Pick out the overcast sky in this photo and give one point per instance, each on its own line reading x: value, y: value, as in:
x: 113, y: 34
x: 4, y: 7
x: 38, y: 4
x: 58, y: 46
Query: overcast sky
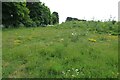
x: 84, y: 9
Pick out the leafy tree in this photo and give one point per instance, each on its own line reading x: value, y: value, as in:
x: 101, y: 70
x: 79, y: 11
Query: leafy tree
x: 39, y: 13
x: 14, y: 13
x: 28, y: 14
x: 55, y: 18
x: 46, y: 15
x: 74, y: 19
x: 35, y: 12
x: 71, y: 19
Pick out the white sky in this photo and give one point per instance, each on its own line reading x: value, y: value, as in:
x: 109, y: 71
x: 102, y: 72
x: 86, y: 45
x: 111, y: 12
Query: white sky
x: 84, y: 9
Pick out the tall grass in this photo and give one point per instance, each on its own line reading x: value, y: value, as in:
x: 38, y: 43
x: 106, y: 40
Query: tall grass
x: 70, y: 50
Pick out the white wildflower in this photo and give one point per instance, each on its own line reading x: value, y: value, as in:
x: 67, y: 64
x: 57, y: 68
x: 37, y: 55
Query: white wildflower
x: 73, y: 75
x: 68, y: 70
x: 62, y: 39
x: 63, y: 72
x: 76, y: 70
x: 72, y: 34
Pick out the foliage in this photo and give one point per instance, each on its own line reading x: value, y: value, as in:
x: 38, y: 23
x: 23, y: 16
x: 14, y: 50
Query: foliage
x: 73, y: 19
x: 14, y: 13
x: 55, y: 18
x: 28, y: 14
x: 39, y: 13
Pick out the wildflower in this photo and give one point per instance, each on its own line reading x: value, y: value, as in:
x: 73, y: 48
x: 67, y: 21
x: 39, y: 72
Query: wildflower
x: 73, y: 75
x: 63, y: 72
x: 73, y: 34
x: 17, y: 42
x: 68, y: 70
x: 62, y: 39
x: 76, y: 70
x: 92, y: 40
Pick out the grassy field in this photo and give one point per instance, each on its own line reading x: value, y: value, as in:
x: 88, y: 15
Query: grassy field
x: 60, y: 51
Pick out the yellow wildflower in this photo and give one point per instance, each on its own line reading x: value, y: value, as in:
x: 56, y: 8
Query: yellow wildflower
x: 92, y: 40
x: 17, y: 42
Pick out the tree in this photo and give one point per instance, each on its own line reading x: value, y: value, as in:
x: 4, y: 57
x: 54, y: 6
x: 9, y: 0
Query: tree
x: 35, y: 12
x: 55, y: 18
x: 69, y: 19
x: 39, y: 13
x: 27, y: 13
x: 14, y: 13
x: 46, y: 15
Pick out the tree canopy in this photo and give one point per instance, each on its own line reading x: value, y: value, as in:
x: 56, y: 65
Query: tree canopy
x: 74, y: 19
x: 14, y: 14
x: 55, y: 18
x: 27, y: 13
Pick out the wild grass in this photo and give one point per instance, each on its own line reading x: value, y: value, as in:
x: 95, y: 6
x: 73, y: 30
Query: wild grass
x: 68, y: 50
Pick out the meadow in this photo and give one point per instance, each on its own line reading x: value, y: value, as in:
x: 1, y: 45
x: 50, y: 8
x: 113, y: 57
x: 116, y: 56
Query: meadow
x: 72, y: 49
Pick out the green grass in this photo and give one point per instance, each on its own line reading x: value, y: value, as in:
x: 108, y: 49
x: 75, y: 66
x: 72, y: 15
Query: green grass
x: 60, y: 51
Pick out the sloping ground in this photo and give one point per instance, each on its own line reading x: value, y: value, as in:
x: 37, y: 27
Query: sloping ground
x: 59, y: 52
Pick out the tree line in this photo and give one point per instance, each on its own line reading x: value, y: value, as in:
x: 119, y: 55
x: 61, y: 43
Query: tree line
x: 74, y: 19
x: 29, y: 14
